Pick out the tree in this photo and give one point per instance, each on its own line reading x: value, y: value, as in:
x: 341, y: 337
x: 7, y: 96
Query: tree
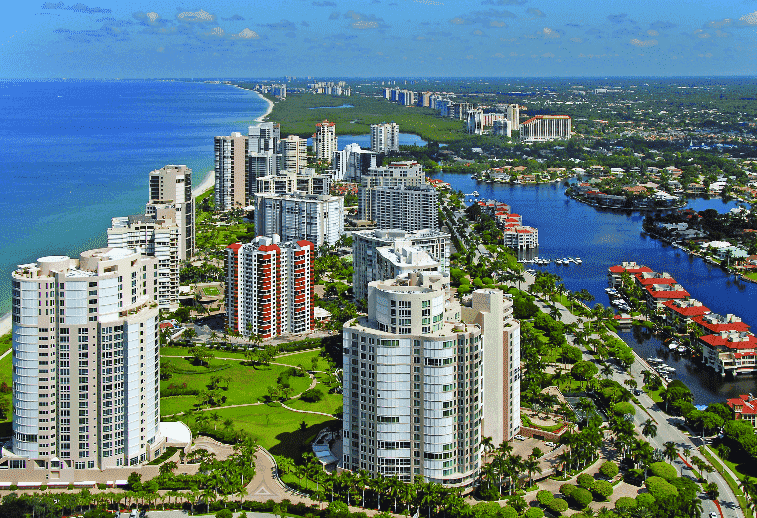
x: 609, y: 469
x: 670, y: 451
x: 581, y: 497
x: 649, y: 428
x: 603, y: 489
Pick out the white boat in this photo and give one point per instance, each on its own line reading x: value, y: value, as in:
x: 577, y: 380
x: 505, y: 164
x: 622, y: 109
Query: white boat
x: 578, y: 260
x: 673, y: 345
x: 681, y: 349
x: 558, y: 261
x: 475, y: 193
x: 654, y: 360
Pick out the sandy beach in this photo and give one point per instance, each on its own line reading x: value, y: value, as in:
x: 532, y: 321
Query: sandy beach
x: 268, y: 111
x: 209, y: 181
x: 6, y: 324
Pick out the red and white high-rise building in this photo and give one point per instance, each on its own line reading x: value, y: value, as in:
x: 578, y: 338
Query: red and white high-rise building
x: 269, y: 287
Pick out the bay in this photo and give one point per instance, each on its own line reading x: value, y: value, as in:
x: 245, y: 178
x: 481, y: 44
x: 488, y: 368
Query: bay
x: 602, y: 238
x: 77, y: 153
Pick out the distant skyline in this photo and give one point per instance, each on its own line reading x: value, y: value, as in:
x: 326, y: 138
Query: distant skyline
x: 378, y: 38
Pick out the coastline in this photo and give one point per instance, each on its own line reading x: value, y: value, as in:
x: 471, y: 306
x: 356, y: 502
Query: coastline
x: 268, y: 110
x: 206, y: 184
x: 6, y: 324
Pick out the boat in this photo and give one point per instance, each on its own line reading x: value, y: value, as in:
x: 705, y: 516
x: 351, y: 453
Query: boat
x: 578, y: 260
x: 673, y: 345
x: 475, y: 193
x: 654, y: 360
x: 681, y: 349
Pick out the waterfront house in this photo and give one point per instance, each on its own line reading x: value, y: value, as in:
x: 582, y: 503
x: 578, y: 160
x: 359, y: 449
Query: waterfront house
x: 645, y: 279
x: 657, y: 294
x: 680, y: 314
x: 615, y: 273
x: 729, y: 352
x: 713, y: 323
x: 744, y: 407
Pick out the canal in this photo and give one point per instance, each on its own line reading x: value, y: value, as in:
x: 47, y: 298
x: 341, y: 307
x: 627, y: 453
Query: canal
x: 602, y: 238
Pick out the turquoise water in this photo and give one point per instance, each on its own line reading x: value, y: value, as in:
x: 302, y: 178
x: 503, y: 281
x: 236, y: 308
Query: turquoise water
x: 74, y: 154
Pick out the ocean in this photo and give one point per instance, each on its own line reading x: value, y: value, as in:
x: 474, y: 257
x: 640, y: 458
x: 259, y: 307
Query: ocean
x: 75, y: 154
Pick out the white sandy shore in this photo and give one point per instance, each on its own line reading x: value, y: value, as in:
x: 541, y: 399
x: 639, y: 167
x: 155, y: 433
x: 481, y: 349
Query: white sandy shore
x: 210, y: 180
x: 6, y: 324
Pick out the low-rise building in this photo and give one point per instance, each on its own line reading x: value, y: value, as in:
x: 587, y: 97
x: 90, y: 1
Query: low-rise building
x: 615, y: 273
x: 730, y: 352
x: 744, y: 407
x: 657, y: 294
x: 680, y: 314
x: 714, y: 323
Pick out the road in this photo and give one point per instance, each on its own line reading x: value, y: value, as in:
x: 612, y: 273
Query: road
x: 666, y: 425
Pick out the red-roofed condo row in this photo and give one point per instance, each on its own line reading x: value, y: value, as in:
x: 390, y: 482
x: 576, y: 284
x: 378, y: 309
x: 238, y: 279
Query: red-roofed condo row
x: 615, y: 273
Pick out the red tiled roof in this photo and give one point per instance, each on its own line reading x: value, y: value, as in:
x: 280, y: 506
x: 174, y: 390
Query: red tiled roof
x: 667, y: 294
x: 717, y: 340
x: 620, y: 269
x: 716, y: 328
x: 690, y: 311
x: 235, y: 246
x: 747, y: 406
x: 651, y: 281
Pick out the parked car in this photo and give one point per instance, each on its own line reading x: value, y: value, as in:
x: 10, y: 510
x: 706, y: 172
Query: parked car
x: 550, y: 444
x: 520, y: 438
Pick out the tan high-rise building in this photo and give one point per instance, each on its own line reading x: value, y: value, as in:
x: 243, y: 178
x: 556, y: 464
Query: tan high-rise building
x: 231, y: 172
x: 325, y: 141
x: 294, y: 154
x: 385, y: 137
x: 171, y: 199
x: 86, y: 361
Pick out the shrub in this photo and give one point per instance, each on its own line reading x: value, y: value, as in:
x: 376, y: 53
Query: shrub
x: 567, y: 489
x: 544, y: 497
x: 624, y: 408
x: 312, y: 395
x: 645, y: 500
x: 534, y: 512
x: 663, y: 470
x: 585, y: 481
x: 14, y: 487
x: 603, y: 489
x: 609, y: 469
x: 507, y: 512
x: 558, y: 506
x: 581, y: 497
x: 625, y: 503
x: 660, y: 488
x: 224, y: 513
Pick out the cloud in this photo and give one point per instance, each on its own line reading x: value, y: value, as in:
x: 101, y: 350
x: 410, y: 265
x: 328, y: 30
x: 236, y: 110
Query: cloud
x: 458, y: 20
x: 497, y: 23
x: 324, y: 4
x: 577, y: 40
x: 478, y: 32
x: 200, y: 16
x: 235, y: 18
x: 548, y: 33
x: 146, y: 17
x: 617, y: 18
x: 749, y: 19
x: 504, y: 2
x: 365, y: 21
x: 652, y: 32
x: 661, y: 25
x: 643, y: 43
x: 536, y: 13
x: 78, y: 8
x: 283, y: 25
x: 216, y: 31
x: 247, y: 34
x: 305, y: 24
x: 334, y: 16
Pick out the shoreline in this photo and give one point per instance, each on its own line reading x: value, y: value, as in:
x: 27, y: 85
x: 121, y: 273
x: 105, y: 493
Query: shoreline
x: 206, y: 184
x: 268, y: 110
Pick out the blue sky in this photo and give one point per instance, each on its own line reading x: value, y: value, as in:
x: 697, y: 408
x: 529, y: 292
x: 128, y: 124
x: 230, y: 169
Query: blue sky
x: 378, y: 38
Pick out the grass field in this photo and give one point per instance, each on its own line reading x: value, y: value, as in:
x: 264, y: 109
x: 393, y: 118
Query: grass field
x: 247, y: 384
x: 168, y: 350
x: 305, y: 359
x: 330, y: 404
x: 278, y: 430
x: 211, y: 291
x: 296, y: 118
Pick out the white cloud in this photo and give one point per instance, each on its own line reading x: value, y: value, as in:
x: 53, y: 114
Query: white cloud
x: 643, y: 43
x: 550, y: 33
x: 198, y: 16
x: 749, y: 19
x: 652, y: 32
x: 247, y: 34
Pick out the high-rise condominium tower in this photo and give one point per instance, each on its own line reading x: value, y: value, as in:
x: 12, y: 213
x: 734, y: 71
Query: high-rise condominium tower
x: 385, y: 137
x: 231, y: 171
x: 294, y: 154
x: 269, y: 287
x: 325, y: 142
x: 171, y: 197
x: 418, y: 374
x: 86, y: 360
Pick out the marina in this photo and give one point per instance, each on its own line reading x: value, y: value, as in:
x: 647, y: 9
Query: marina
x: 601, y: 238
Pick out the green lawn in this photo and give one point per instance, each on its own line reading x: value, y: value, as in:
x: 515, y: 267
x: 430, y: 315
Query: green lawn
x: 168, y: 350
x: 211, y: 291
x: 6, y: 376
x: 247, y: 384
x: 305, y: 359
x: 277, y: 429
x: 751, y: 275
x: 330, y: 404
x: 176, y: 404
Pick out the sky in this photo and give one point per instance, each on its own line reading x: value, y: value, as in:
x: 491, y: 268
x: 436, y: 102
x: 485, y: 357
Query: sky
x: 378, y: 38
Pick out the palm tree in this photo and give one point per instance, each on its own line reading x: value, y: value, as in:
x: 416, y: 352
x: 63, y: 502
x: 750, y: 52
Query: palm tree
x: 670, y: 451
x: 749, y: 487
x: 649, y: 428
x: 532, y: 466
